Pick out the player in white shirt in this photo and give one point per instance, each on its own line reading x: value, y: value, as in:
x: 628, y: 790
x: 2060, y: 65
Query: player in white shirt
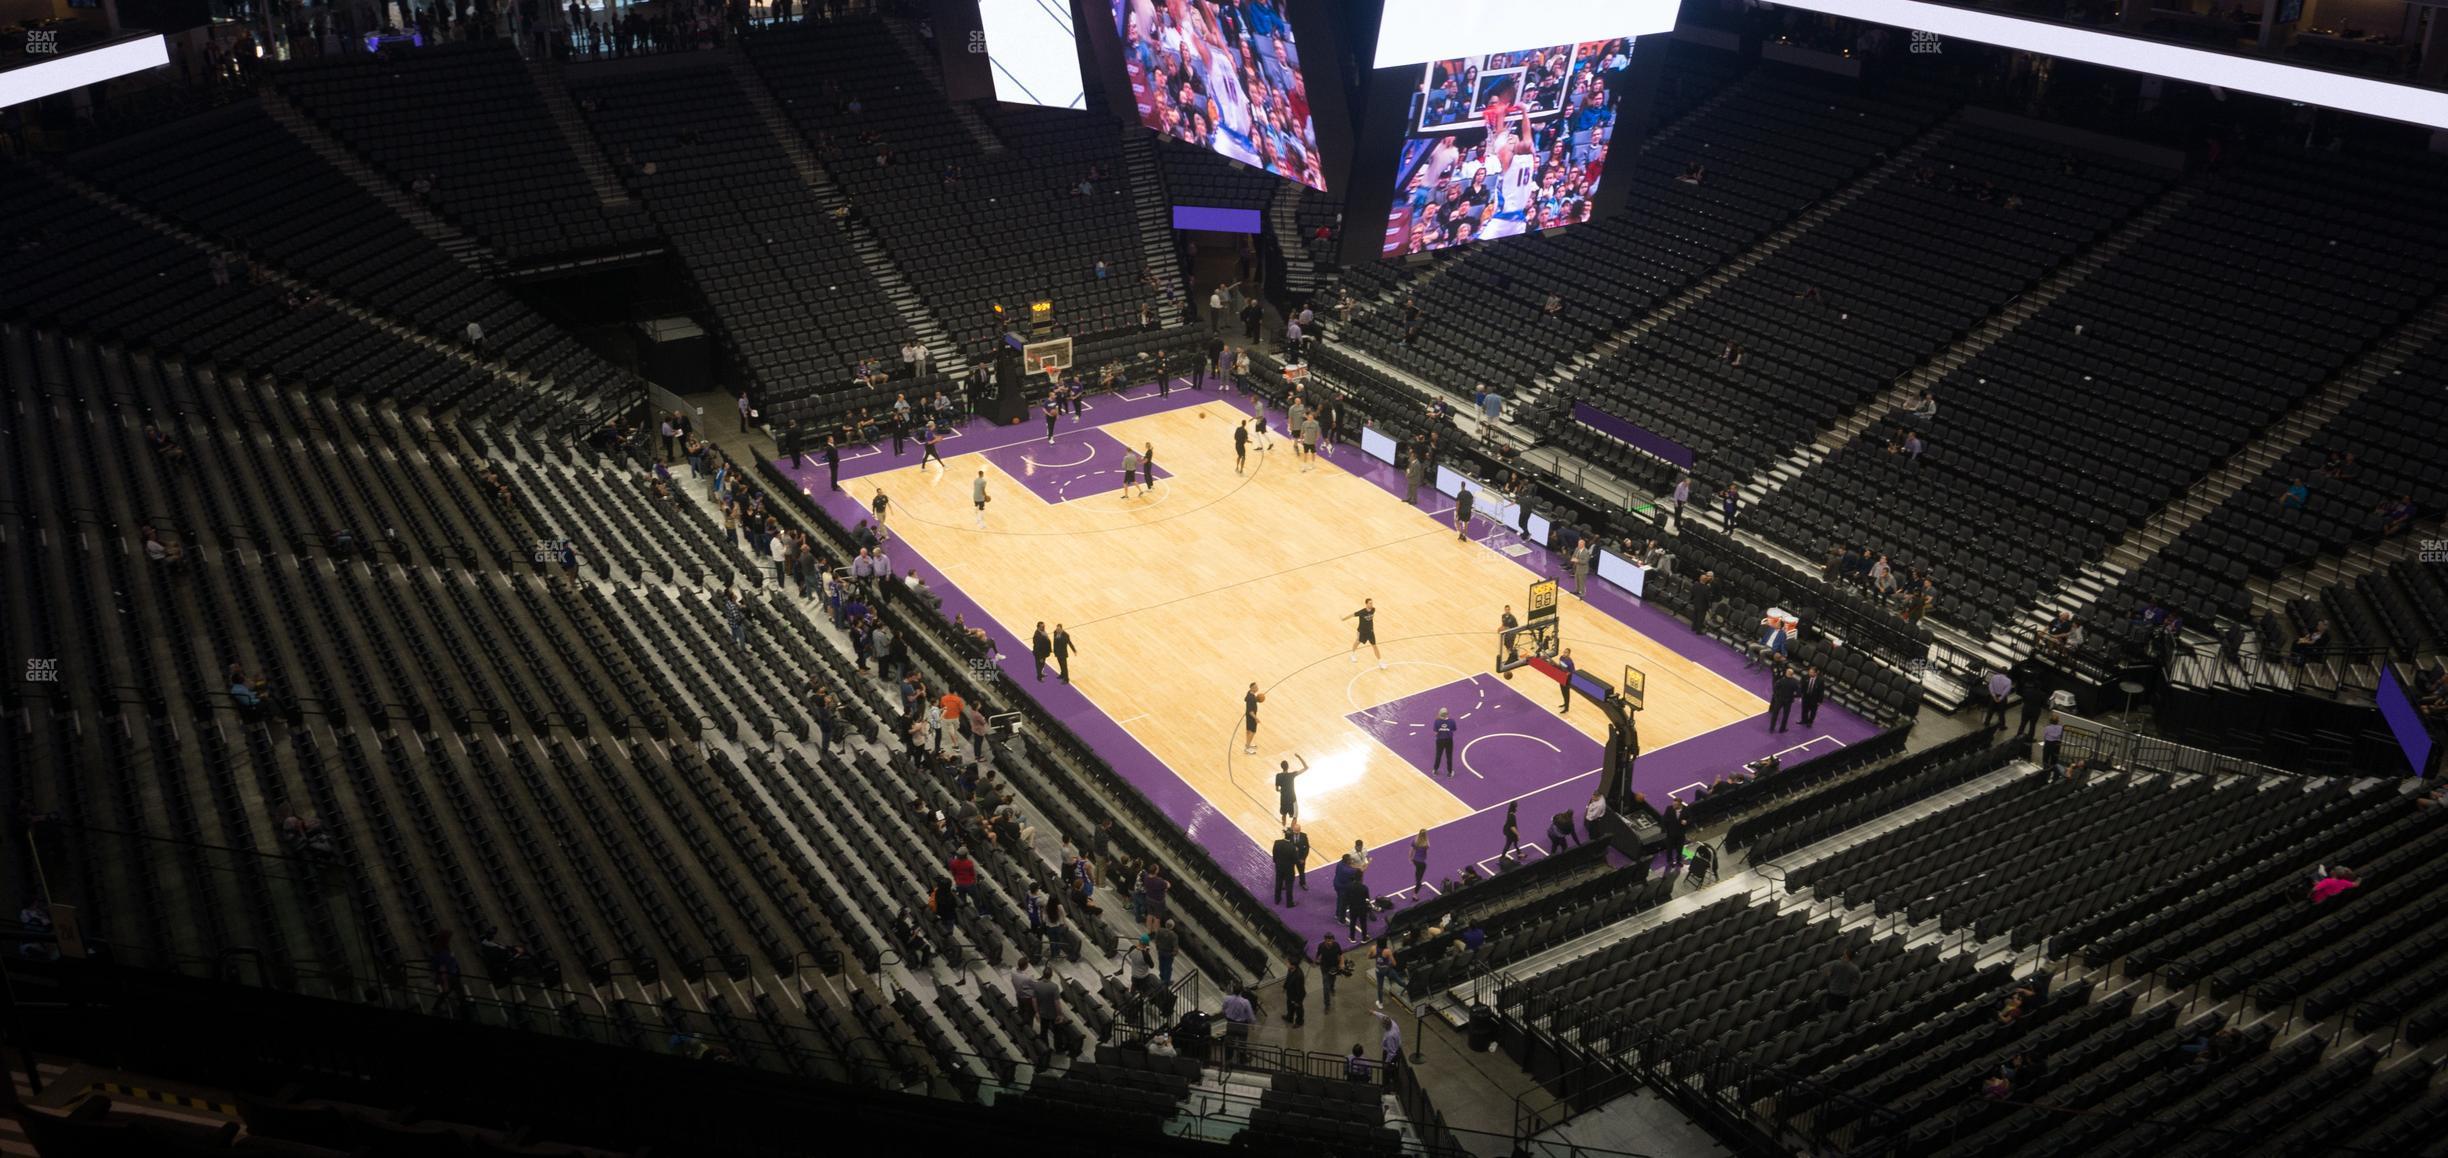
x: 1514, y: 160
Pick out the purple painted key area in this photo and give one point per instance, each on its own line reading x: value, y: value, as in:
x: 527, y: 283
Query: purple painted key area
x: 1078, y: 464
x: 1505, y: 746
x: 1513, y: 769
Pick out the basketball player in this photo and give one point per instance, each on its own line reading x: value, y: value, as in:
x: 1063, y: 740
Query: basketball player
x: 1309, y: 442
x: 978, y: 498
x: 1147, y: 465
x: 1130, y: 471
x: 1287, y: 804
x: 930, y: 445
x: 1240, y: 446
x: 1053, y: 414
x: 1264, y: 442
x: 1249, y: 718
x: 1367, y: 615
x: 879, y: 506
x: 1513, y: 157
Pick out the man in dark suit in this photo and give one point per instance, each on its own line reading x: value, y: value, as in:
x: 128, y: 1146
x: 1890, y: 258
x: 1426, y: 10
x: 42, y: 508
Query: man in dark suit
x: 1781, y: 699
x: 1814, y: 689
x: 1041, y: 648
x: 1287, y: 862
x: 2035, y: 704
x: 833, y: 461
x: 1704, y: 593
x: 1062, y: 653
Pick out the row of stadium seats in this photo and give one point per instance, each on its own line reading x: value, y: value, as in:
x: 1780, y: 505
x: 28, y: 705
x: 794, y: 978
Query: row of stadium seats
x: 467, y: 119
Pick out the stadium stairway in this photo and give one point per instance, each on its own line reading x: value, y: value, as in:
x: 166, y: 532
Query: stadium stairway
x: 1908, y: 388
x: 1766, y: 248
x: 1151, y: 208
x: 1964, y: 653
x: 829, y: 196
x: 905, y: 33
x: 550, y: 86
x: 1300, y: 278
x: 462, y: 248
x: 2307, y: 580
x: 2081, y: 593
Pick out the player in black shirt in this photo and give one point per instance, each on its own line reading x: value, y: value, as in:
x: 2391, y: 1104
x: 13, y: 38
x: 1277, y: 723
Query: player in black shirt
x: 1286, y: 802
x: 1367, y: 615
x: 1249, y: 718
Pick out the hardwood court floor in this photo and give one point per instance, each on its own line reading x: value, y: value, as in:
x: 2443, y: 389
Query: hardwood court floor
x: 1177, y: 602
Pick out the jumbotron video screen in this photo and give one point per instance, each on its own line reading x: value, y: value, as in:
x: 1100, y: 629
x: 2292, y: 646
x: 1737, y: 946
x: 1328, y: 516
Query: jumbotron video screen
x: 1223, y: 75
x: 1502, y: 144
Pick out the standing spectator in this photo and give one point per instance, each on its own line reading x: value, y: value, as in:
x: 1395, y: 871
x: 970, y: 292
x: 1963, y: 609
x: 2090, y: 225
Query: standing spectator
x: 1284, y: 861
x: 1388, y: 969
x: 2052, y: 738
x: 745, y: 411
x: 1814, y: 690
x: 1783, y: 690
x: 1330, y: 967
x: 1419, y: 864
x: 1512, y: 828
x: 1024, y: 988
x: 2000, y: 687
x: 1050, y: 1006
x: 1167, y: 942
x: 735, y: 615
x: 1560, y: 833
x: 1390, y: 1043
x: 1582, y: 556
x: 1296, y: 990
x: 475, y: 336
x: 1842, y: 979
x: 964, y: 875
x: 446, y: 963
x: 2035, y: 704
x: 1239, y: 1014
x: 1729, y: 505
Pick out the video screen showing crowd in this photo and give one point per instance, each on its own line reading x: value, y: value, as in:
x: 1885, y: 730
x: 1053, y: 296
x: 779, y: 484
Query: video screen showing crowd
x: 1498, y: 145
x: 1223, y: 75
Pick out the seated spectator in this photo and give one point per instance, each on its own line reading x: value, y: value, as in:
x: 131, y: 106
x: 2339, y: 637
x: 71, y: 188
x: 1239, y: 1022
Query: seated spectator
x: 2295, y: 496
x: 1693, y: 173
x: 163, y: 445
x: 2397, y: 516
x: 2328, y: 883
x: 2310, y: 644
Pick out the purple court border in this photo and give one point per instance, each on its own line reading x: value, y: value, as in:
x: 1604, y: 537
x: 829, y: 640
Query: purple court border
x: 1476, y: 839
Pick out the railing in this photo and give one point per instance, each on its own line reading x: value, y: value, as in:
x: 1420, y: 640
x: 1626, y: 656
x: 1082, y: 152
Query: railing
x: 2124, y: 751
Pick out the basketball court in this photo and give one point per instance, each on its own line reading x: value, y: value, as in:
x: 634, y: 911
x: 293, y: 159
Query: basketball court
x: 1179, y: 597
